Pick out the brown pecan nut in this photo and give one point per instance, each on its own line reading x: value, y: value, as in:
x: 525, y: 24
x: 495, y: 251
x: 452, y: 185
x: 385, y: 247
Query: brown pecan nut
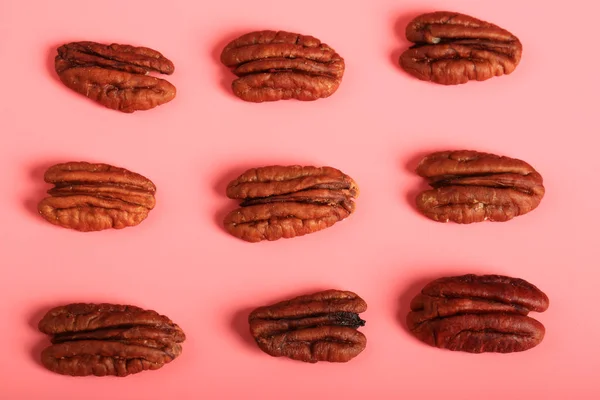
x: 92, y: 197
x: 316, y: 327
x: 452, y: 48
x: 115, y: 75
x: 281, y: 65
x: 478, y: 314
x: 470, y: 186
x: 285, y: 202
x: 108, y: 339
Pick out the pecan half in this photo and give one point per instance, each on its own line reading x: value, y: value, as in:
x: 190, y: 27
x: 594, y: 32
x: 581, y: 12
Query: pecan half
x: 452, y: 48
x: 478, y: 314
x: 316, y: 327
x: 284, y: 202
x: 93, y: 197
x: 115, y: 75
x: 108, y: 339
x: 281, y: 65
x: 470, y: 186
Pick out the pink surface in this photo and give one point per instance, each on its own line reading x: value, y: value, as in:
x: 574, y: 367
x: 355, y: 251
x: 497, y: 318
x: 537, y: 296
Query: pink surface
x: 180, y: 261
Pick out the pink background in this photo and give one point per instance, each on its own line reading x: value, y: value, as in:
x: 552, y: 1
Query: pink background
x: 180, y: 261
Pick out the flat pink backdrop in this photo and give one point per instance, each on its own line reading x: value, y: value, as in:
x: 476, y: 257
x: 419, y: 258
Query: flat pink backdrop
x: 180, y: 261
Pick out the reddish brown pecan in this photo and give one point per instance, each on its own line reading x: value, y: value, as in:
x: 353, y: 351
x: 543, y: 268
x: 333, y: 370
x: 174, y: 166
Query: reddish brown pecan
x: 116, y: 75
x: 284, y: 202
x: 452, y: 48
x: 478, y: 314
x: 93, y: 197
x: 316, y: 327
x: 108, y: 339
x: 281, y: 65
x: 470, y: 186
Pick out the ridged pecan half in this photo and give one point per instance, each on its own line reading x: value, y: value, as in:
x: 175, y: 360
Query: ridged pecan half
x: 470, y: 186
x: 288, y: 201
x: 92, y: 197
x: 452, y: 48
x: 477, y: 314
x: 281, y: 65
x: 108, y: 339
x: 115, y: 75
x: 316, y: 327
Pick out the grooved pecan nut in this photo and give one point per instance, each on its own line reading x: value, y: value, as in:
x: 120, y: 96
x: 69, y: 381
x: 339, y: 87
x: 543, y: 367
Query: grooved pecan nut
x: 115, y: 75
x: 92, y: 197
x: 470, y: 186
x: 281, y: 65
x: 478, y: 314
x: 108, y: 339
x: 285, y: 202
x: 316, y: 327
x: 452, y: 48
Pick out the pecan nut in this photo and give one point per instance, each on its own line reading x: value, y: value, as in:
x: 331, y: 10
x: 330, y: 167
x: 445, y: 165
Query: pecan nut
x: 316, y: 327
x: 108, y: 339
x: 470, y: 186
x: 288, y: 201
x: 115, y: 75
x: 280, y: 65
x: 452, y: 48
x: 92, y: 197
x: 477, y: 314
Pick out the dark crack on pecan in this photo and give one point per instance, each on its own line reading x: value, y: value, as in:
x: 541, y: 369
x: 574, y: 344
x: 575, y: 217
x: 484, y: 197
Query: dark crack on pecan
x: 316, y: 327
x: 452, y: 48
x: 470, y: 186
x: 280, y: 65
x: 92, y: 197
x: 108, y: 339
x: 478, y: 314
x: 115, y: 75
x: 288, y: 201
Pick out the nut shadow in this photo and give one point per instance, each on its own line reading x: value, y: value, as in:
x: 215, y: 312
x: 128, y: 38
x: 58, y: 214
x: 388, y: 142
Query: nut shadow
x: 226, y: 76
x: 36, y: 175
x: 34, y: 318
x: 400, y: 33
x: 410, y: 166
x: 239, y: 325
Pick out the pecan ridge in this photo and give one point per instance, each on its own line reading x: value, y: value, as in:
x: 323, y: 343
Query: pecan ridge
x: 317, y: 327
x: 452, y: 48
x: 471, y: 313
x: 108, y: 339
x: 281, y: 65
x: 115, y: 75
x: 92, y: 197
x: 288, y: 201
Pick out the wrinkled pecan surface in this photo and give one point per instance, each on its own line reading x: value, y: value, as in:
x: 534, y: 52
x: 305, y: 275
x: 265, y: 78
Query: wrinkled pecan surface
x: 316, y: 327
x: 93, y: 197
x: 476, y: 314
x: 115, y: 75
x: 288, y: 201
x: 470, y: 186
x: 281, y: 65
x: 452, y: 48
x: 108, y: 339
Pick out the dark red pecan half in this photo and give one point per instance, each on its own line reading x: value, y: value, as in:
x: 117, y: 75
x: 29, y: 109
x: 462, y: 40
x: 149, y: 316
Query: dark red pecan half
x: 452, y: 48
x: 93, y: 197
x: 281, y: 65
x: 115, y: 75
x: 470, y: 186
x: 108, y: 339
x: 478, y: 314
x: 316, y: 327
x: 288, y: 201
